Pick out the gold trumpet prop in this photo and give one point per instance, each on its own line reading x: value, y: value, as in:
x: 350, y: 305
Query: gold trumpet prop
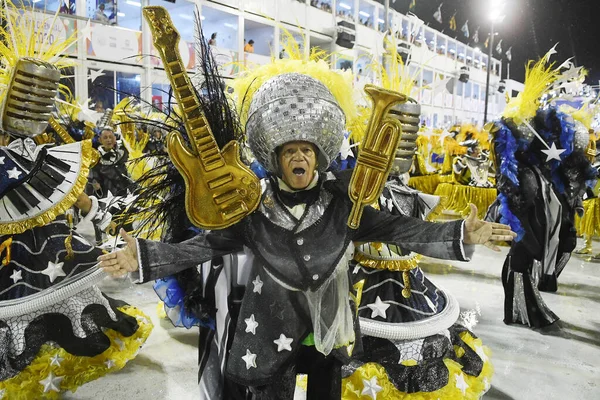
x: 377, y: 153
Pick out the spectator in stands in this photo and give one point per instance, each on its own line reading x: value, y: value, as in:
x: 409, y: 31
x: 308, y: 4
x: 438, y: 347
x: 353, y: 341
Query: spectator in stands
x: 100, y: 16
x: 249, y: 47
x: 213, y: 39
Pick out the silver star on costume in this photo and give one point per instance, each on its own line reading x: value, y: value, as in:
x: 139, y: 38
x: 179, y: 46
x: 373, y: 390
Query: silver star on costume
x: 371, y: 388
x: 258, y: 284
x: 481, y: 353
x: 16, y: 276
x: 109, y: 363
x: 56, y: 360
x: 120, y: 343
x: 2, y: 163
x: 110, y: 200
x: 251, y: 324
x: 379, y: 308
x: 14, y: 173
x: 112, y: 242
x: 54, y: 270
x: 249, y: 359
x: 461, y: 383
x: 283, y: 343
x: 51, y: 383
x: 553, y: 153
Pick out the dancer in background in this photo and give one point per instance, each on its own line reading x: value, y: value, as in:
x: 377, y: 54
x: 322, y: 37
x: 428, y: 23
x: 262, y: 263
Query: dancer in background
x: 57, y: 329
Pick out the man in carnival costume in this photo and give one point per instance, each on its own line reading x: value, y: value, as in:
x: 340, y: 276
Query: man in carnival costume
x: 296, y: 317
x: 57, y: 330
x: 543, y: 173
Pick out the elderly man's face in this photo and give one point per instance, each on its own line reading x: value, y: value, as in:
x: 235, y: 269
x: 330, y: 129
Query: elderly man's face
x: 297, y: 162
x: 108, y: 140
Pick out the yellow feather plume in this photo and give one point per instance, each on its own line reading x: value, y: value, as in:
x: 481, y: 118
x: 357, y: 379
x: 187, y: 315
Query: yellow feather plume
x: 538, y: 78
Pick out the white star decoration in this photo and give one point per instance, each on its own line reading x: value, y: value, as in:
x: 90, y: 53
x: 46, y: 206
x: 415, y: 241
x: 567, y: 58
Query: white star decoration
x: 553, y: 153
x: 14, y: 173
x: 120, y: 343
x: 51, y: 383
x: 16, y: 276
x: 251, y: 324
x: 86, y: 32
x: 481, y: 353
x: 54, y: 270
x: 283, y: 343
x: 371, y: 388
x: 258, y: 284
x: 109, y: 363
x: 95, y: 74
x: 112, y: 242
x: 550, y: 53
x: 378, y: 308
x: 110, y: 200
x: 486, y: 384
x: 2, y: 163
x: 460, y: 383
x: 56, y: 360
x: 250, y: 359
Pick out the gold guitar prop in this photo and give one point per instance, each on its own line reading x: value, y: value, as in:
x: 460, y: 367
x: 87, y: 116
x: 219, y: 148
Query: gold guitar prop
x: 376, y: 154
x: 220, y: 189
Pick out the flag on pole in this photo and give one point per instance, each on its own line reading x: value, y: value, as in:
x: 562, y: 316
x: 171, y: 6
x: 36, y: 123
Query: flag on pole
x: 487, y: 41
x: 509, y: 54
x: 438, y: 14
x: 413, y: 4
x: 499, y: 47
x: 476, y: 35
x: 465, y: 29
x: 453, y: 22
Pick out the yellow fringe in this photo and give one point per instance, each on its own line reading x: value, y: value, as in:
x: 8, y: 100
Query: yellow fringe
x: 391, y: 265
x: 458, y: 198
x: 77, y: 370
x: 14, y: 228
x: 425, y: 184
x: 353, y: 385
x: 589, y: 224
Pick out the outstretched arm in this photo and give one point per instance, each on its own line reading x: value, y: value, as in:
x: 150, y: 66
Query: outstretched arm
x: 438, y: 240
x: 153, y: 260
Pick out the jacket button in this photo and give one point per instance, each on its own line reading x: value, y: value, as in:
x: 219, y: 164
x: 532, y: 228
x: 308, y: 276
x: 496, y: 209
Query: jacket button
x: 299, y: 241
x: 315, y: 277
x: 307, y: 258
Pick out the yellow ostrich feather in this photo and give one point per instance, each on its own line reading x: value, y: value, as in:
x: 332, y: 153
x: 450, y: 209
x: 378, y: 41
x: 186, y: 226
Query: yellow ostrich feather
x: 538, y: 78
x: 18, y: 39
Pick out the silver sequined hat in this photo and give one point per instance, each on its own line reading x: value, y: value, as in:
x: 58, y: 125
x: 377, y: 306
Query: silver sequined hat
x: 291, y: 107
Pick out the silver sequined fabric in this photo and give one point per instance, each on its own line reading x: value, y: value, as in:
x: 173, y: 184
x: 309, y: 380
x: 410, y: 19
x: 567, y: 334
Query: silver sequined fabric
x: 292, y: 107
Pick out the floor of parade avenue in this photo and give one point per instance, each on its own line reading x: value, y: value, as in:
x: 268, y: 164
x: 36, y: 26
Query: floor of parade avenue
x: 529, y: 365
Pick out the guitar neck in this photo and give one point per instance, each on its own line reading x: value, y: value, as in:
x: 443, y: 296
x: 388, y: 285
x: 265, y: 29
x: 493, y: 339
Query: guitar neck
x: 201, y: 138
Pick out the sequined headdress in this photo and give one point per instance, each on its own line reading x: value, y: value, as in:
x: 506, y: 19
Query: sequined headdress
x: 292, y: 107
x: 294, y: 99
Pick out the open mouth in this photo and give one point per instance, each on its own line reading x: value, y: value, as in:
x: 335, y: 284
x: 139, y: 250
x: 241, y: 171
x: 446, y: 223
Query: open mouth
x: 299, y: 171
